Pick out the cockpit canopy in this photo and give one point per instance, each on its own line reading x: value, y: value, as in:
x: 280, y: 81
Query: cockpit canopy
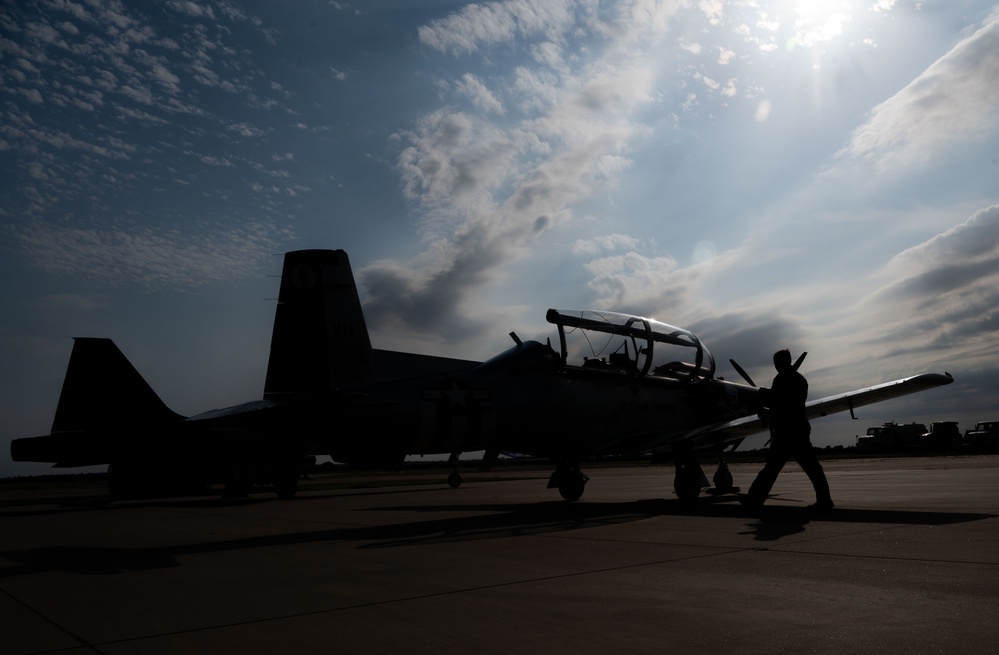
x: 630, y: 345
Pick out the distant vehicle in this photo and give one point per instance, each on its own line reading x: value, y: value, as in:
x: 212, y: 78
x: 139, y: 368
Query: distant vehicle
x: 944, y: 436
x: 617, y: 384
x: 984, y: 437
x: 892, y: 436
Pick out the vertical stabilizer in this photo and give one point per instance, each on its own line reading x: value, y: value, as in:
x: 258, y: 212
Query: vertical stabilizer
x: 102, y: 391
x: 320, y: 340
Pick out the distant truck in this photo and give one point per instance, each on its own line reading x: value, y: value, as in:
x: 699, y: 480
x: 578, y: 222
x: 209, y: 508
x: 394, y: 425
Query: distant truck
x: 892, y: 436
x: 984, y: 437
x: 944, y: 436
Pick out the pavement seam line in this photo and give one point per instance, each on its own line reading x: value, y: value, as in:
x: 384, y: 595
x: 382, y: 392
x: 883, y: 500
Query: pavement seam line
x: 82, y: 642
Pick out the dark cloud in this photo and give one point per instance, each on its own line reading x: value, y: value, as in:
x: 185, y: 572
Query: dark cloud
x: 750, y: 338
x: 401, y: 296
x: 948, y: 293
x: 946, y: 278
x: 972, y: 242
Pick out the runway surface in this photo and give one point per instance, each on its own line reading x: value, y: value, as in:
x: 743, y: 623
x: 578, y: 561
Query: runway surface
x: 907, y: 563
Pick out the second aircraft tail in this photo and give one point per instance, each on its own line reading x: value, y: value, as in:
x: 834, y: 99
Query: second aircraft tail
x: 102, y: 390
x: 105, y: 405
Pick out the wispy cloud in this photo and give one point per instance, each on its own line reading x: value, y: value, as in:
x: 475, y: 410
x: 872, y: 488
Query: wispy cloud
x: 82, y: 192
x: 484, y: 25
x: 72, y: 302
x: 951, y: 104
x: 146, y: 257
x: 479, y: 94
x: 192, y: 8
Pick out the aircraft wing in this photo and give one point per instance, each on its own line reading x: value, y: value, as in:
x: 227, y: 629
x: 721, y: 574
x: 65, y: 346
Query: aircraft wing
x: 876, y: 394
x: 743, y: 427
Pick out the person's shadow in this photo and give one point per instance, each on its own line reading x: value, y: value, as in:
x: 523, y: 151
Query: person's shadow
x: 776, y: 524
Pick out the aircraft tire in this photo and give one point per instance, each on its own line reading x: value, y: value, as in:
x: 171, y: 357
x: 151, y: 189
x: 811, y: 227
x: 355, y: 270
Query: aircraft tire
x: 689, y: 478
x: 454, y: 480
x: 723, y: 480
x: 571, y: 488
x: 686, y: 491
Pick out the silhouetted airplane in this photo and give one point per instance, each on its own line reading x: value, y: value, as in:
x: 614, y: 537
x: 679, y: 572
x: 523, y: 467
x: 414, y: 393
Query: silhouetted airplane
x: 618, y: 384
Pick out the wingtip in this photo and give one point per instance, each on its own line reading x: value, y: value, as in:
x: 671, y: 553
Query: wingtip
x: 932, y: 379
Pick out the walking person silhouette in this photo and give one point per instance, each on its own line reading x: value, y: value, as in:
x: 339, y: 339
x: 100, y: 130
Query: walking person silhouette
x: 790, y: 436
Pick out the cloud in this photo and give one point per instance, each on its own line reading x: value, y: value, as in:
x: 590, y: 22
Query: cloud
x: 33, y: 96
x: 72, y: 302
x: 75, y: 9
x: 750, y: 336
x: 605, y: 243
x: 481, y: 25
x: 192, y: 8
x: 713, y: 10
x: 245, y: 129
x: 161, y: 74
x: 485, y: 189
x: 952, y: 103
x: 939, y: 265
x: 636, y: 283
x: 943, y: 291
x: 146, y: 257
x: 479, y: 94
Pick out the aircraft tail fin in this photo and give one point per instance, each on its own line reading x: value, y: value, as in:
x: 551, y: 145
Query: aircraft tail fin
x: 102, y: 390
x: 320, y: 340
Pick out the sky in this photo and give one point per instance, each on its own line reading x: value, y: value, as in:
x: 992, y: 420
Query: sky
x: 821, y: 176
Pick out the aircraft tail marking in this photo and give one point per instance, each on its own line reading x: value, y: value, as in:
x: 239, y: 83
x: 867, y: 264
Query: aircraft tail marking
x: 320, y: 340
x: 102, y: 390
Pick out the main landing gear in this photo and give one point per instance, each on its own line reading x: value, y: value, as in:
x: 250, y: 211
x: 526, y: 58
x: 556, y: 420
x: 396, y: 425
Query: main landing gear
x: 690, y: 479
x: 569, y: 479
x: 454, y: 480
x: 688, y: 482
x: 489, y: 459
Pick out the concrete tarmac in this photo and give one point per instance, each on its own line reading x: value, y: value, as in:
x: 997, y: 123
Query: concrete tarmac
x: 907, y: 563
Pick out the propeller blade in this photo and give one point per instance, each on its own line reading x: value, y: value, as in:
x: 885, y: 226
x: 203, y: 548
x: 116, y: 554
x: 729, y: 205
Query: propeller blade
x: 799, y: 360
x: 745, y: 376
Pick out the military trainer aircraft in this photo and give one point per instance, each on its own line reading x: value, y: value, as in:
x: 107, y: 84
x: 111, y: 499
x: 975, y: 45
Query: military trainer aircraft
x: 616, y: 384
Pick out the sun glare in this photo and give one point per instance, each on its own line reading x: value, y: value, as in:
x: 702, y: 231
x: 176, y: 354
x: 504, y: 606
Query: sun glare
x: 813, y: 23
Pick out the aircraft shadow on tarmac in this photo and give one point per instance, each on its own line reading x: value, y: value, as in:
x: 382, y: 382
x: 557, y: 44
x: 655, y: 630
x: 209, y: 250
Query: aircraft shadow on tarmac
x: 770, y: 522
x: 497, y: 521
x: 107, y: 503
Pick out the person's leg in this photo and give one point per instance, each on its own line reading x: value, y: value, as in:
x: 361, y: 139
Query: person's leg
x: 764, y: 482
x: 810, y: 464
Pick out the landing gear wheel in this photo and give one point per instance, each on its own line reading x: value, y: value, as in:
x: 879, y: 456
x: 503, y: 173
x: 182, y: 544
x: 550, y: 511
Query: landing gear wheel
x: 571, y: 487
x: 686, y: 490
x: 569, y: 480
x: 723, y: 480
x: 454, y: 480
x: 689, y: 479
